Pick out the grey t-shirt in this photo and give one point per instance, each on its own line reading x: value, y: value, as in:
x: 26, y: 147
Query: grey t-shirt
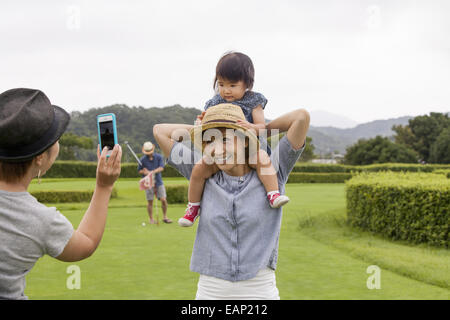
x: 28, y: 230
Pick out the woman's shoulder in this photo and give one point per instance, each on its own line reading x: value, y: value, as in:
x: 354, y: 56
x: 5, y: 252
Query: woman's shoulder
x: 41, y: 210
x: 25, y: 210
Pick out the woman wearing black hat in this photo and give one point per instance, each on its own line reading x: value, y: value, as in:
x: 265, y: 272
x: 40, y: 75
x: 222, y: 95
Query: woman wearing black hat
x: 30, y: 127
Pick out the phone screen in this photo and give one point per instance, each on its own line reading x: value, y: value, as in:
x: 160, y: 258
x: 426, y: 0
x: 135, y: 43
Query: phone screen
x: 107, y: 134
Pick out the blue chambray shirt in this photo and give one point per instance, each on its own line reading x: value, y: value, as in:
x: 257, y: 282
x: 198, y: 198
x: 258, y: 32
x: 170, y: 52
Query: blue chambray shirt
x: 238, y: 231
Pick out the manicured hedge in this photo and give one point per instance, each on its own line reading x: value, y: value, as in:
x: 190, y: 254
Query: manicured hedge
x: 444, y: 172
x: 402, y: 206
x: 61, y: 196
x: 82, y: 169
x: 85, y: 169
x: 404, y: 167
x: 397, y: 167
x: 72, y: 169
x: 322, y: 168
x: 177, y: 194
x: 307, y: 177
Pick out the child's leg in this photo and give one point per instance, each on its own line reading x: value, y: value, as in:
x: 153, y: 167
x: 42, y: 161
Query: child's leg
x: 260, y: 161
x: 200, y: 172
x: 268, y: 176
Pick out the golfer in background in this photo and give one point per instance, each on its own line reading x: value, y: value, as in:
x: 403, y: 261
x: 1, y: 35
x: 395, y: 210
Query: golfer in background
x: 153, y: 163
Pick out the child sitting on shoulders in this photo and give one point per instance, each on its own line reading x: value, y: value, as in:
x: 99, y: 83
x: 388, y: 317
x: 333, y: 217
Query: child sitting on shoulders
x: 233, y: 83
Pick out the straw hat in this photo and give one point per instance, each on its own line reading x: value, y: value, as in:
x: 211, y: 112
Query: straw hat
x: 147, y: 148
x: 224, y: 115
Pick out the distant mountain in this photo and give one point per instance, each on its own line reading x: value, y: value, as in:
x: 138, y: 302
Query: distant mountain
x: 324, y: 143
x: 135, y: 124
x: 320, y: 118
x: 330, y: 139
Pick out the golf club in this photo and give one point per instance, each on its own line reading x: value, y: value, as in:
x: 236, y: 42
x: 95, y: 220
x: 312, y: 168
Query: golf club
x: 134, y: 154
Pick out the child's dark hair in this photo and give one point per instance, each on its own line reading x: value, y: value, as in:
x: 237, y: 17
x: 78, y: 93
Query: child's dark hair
x: 235, y: 66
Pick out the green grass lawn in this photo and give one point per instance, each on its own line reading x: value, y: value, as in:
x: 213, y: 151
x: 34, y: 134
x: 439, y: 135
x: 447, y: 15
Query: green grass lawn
x: 320, y: 257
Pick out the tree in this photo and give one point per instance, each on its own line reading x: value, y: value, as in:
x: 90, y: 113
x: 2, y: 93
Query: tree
x: 68, y: 144
x: 440, y: 149
x: 421, y: 133
x: 378, y: 150
x: 308, y: 152
x: 403, y: 135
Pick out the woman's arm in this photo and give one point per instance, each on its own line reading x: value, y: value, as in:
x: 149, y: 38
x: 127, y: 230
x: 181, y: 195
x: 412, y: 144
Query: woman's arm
x: 87, y: 237
x: 296, y: 123
x: 166, y: 134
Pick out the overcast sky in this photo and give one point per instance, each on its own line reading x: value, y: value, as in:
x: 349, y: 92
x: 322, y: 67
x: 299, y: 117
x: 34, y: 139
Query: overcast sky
x: 365, y: 60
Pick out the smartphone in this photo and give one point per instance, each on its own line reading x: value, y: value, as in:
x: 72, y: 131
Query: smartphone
x: 107, y: 131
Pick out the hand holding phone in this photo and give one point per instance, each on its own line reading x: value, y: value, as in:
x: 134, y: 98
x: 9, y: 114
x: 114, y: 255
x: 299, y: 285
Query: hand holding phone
x: 107, y: 131
x: 108, y: 169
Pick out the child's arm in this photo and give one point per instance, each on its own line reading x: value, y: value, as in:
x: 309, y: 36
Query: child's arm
x: 259, y: 122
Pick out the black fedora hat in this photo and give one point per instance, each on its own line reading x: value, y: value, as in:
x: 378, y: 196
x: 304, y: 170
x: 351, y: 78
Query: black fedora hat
x: 29, y: 124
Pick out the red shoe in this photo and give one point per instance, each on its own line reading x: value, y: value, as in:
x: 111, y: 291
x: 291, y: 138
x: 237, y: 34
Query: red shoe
x: 277, y: 200
x: 190, y: 215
